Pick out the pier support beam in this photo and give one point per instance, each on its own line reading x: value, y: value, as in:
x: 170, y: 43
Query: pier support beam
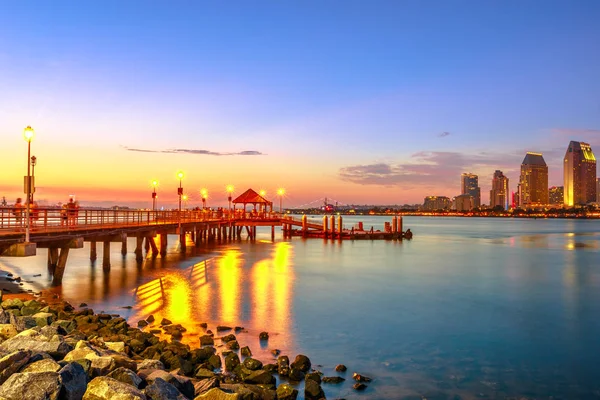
x: 93, y: 252
x: 59, y: 271
x: 272, y: 233
x: 182, y: 242
x: 163, y: 244
x: 139, y: 253
x: 150, y: 243
x: 106, y: 255
x: 52, y: 260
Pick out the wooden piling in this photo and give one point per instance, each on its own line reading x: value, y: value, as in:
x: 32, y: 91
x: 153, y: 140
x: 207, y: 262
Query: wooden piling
x: 124, y: 245
x: 93, y: 252
x: 139, y: 253
x: 60, y: 267
x: 163, y: 244
x: 105, y: 254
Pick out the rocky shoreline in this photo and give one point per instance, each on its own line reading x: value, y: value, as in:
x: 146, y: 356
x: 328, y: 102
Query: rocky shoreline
x: 58, y: 352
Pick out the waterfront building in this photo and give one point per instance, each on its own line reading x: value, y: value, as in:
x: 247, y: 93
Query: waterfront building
x: 533, y: 182
x: 470, y: 186
x: 433, y: 203
x: 579, y: 174
x: 464, y: 202
x: 598, y: 190
x: 499, y: 192
x: 556, y: 195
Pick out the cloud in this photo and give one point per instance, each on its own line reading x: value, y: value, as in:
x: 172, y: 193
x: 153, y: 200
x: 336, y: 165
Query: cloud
x: 577, y: 132
x: 443, y: 134
x: 197, y: 152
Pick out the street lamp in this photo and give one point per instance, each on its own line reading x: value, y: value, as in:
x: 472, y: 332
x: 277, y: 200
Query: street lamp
x: 280, y: 193
x: 229, y: 193
x: 185, y: 201
x: 204, y: 194
x: 28, y: 134
x: 33, y: 163
x: 180, y: 188
x: 154, y: 185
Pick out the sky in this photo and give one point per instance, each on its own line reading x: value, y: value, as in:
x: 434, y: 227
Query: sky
x: 378, y: 102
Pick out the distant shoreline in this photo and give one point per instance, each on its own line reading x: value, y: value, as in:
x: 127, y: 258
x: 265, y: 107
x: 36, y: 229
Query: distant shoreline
x: 461, y: 215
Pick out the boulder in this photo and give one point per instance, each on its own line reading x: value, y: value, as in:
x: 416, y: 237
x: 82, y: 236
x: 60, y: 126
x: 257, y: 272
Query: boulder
x: 263, y: 336
x: 228, y: 338
x: 151, y: 364
x: 231, y: 361
x: 142, y: 323
x: 126, y: 376
x: 333, y: 379
x: 74, y: 381
x: 7, y: 331
x: 360, y: 378
x: 232, y: 345
x: 206, y: 340
x: 182, y: 383
x: 102, y: 366
x: 302, y: 363
x: 34, y: 341
x: 203, y: 373
x: 359, y: 386
x: 313, y: 391
x: 315, y: 376
x: 43, y: 319
x: 4, y: 317
x: 296, y: 375
x: 119, y: 347
x: 22, y: 323
x: 250, y: 392
x: 105, y: 388
x: 165, y: 321
x: 217, y: 394
x: 286, y: 392
x: 223, y: 328
x: 283, y: 365
x: 13, y: 362
x: 205, y: 385
x: 162, y: 390
x: 12, y: 304
x: 45, y: 365
x: 252, y: 364
x: 340, y: 368
x: 31, y: 385
x: 245, y: 351
x: 214, y: 361
x: 260, y: 377
x: 150, y: 318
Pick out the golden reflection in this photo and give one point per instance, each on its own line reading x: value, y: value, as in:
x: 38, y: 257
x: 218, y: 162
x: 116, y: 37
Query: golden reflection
x: 201, y: 286
x: 178, y: 296
x: 283, y: 277
x: 260, y: 290
x: 229, y: 276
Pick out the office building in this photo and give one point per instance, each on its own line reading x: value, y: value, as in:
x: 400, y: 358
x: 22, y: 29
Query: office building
x: 579, y: 175
x: 556, y: 195
x: 470, y: 186
x: 464, y: 202
x: 432, y: 203
x: 533, y: 182
x: 499, y: 193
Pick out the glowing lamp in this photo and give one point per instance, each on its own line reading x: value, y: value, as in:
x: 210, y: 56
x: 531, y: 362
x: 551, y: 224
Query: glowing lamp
x: 28, y: 133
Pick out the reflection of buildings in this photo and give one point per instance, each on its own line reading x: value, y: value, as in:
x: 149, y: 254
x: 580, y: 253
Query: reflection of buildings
x: 556, y: 195
x: 436, y: 203
x: 533, y: 182
x: 579, y: 174
x: 499, y: 192
x: 470, y: 185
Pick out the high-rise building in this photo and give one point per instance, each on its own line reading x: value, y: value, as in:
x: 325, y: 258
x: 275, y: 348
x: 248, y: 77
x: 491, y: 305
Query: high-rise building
x: 464, y: 202
x: 470, y: 185
x: 556, y: 195
x: 580, y: 174
x: 533, y: 182
x: 499, y: 192
x: 598, y: 190
x: 433, y: 203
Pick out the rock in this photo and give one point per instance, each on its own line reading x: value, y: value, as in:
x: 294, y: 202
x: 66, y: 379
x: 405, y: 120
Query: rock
x: 162, y: 390
x: 276, y: 352
x: 36, y: 342
x: 116, y: 346
x: 151, y: 364
x: 340, y: 368
x: 228, y: 338
x: 246, y: 352
x: 182, y: 383
x: 150, y: 319
x: 270, y: 367
x: 4, y: 317
x: 105, y: 388
x: 82, y: 350
x: 83, y: 305
x: 283, y: 365
x: 203, y: 325
x: 7, y: 331
x: 102, y: 366
x: 13, y: 362
x: 206, y: 340
x: 264, y: 336
x: 232, y: 345
x: 126, y: 376
x: 359, y: 386
x: 215, y: 361
x: 22, y: 323
x: 223, y: 328
x: 231, y: 361
x: 333, y: 379
x: 205, y: 385
x: 142, y: 323
x: 12, y: 304
x: 238, y: 329
x: 302, y: 363
x: 217, y: 394
x: 31, y: 385
x: 260, y: 377
x: 166, y: 321
x: 296, y: 375
x: 45, y: 365
x: 286, y: 392
x: 313, y: 391
x: 250, y: 392
x: 313, y: 376
x: 203, y: 373
x: 360, y: 378
x: 252, y: 364
x: 74, y: 381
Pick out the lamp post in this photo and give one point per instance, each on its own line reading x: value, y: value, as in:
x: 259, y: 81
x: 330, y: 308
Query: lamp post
x: 204, y: 194
x: 33, y: 163
x: 28, y: 134
x: 280, y: 193
x: 185, y: 198
x: 180, y: 194
x: 154, y: 185
x: 229, y: 193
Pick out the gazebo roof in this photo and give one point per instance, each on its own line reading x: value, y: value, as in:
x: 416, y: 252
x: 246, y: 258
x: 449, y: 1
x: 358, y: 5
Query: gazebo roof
x: 251, y: 197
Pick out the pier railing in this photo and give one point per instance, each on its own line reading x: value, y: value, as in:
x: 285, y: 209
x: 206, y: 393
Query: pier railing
x: 61, y: 219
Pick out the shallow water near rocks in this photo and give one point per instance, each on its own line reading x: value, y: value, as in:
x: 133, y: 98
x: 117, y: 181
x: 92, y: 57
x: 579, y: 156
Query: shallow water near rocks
x: 470, y: 308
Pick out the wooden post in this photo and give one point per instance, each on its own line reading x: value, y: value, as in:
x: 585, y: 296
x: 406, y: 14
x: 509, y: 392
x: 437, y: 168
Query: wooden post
x: 394, y: 225
x: 219, y: 234
x: 272, y: 233
x: 325, y: 228
x: 332, y: 218
x: 139, y: 243
x: 399, y: 225
x: 163, y: 244
x: 253, y: 233
x: 147, y: 244
x: 52, y: 259
x: 340, y: 227
x: 93, y: 252
x: 105, y: 254
x: 60, y: 267
x: 304, y: 225
x: 150, y: 242
x: 124, y: 245
x: 182, y: 242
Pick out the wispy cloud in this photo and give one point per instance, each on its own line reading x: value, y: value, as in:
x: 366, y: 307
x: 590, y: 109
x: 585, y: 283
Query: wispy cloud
x: 577, y: 132
x: 443, y: 134
x: 198, y: 152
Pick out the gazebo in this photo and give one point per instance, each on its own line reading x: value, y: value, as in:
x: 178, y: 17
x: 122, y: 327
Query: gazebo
x: 251, y: 197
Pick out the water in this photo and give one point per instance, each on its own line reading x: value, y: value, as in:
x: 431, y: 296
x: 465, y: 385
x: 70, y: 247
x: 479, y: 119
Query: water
x: 470, y: 308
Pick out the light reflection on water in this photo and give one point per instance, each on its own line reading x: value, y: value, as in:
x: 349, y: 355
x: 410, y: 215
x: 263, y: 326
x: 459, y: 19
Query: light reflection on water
x: 470, y: 307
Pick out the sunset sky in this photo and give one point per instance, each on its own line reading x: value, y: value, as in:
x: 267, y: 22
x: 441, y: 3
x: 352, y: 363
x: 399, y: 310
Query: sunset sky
x: 379, y: 102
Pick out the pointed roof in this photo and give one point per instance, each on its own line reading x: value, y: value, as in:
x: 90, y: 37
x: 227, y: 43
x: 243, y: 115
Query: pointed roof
x: 250, y: 197
x: 534, y: 159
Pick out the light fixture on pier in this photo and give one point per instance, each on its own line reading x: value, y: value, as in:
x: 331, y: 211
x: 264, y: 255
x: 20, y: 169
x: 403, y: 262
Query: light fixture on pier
x: 230, y: 189
x: 154, y: 195
x: 281, y: 193
x: 28, y: 134
x: 204, y: 194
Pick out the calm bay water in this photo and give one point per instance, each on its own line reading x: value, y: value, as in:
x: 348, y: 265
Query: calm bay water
x: 470, y: 308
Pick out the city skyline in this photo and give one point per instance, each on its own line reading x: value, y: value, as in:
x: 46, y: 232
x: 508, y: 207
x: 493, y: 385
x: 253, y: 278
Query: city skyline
x: 357, y: 103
